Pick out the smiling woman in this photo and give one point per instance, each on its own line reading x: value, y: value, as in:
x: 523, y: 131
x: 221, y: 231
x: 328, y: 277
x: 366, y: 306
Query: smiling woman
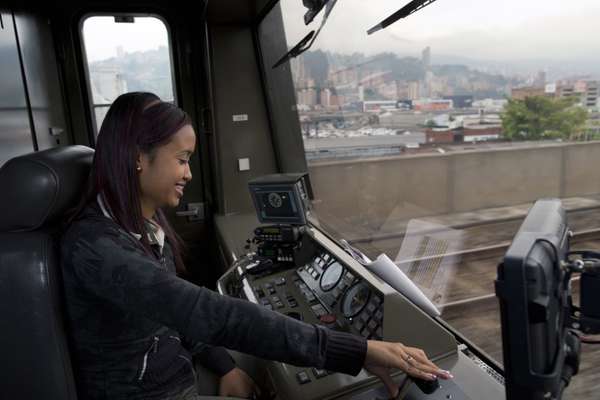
x: 129, y: 174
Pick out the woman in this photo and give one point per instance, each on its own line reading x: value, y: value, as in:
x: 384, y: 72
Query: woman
x: 136, y: 325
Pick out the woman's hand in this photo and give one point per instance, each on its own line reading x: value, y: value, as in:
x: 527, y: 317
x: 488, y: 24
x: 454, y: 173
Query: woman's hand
x: 383, y: 356
x: 236, y: 383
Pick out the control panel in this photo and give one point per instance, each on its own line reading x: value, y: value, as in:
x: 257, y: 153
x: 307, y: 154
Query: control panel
x: 333, y: 290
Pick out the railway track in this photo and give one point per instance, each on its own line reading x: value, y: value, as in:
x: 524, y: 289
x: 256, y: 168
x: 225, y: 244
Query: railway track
x: 472, y: 308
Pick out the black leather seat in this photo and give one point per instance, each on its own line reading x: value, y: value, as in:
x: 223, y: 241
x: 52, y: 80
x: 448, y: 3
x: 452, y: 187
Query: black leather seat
x: 35, y: 191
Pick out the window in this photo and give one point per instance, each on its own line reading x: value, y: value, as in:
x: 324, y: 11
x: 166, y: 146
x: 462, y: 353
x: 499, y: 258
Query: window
x: 429, y: 140
x: 126, y: 54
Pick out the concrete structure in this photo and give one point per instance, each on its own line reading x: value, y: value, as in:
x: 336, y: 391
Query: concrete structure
x: 372, y: 193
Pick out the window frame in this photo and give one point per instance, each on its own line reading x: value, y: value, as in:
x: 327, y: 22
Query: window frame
x: 85, y: 63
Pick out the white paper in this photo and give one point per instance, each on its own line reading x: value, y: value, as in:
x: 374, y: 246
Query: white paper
x: 385, y: 269
x: 389, y: 272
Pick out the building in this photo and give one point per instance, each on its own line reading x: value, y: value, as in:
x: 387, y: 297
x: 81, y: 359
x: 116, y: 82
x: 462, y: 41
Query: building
x: 414, y: 90
x: 107, y: 83
x: 432, y: 105
x: 460, y: 101
x: 528, y: 91
x: 379, y: 105
x: 481, y: 133
x: 439, y: 136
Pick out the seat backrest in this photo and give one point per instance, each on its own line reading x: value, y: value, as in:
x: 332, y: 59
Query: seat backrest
x: 36, y: 191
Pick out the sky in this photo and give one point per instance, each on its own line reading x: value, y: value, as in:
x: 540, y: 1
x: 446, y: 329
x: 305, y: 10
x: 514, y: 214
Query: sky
x: 502, y: 30
x: 102, y: 36
x: 498, y: 30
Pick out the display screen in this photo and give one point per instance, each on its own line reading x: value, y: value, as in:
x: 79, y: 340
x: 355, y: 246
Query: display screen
x: 277, y: 204
x: 271, y: 231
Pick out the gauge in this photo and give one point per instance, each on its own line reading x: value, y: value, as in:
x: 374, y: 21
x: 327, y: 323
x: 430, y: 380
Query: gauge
x: 331, y: 276
x: 275, y: 200
x: 355, y: 299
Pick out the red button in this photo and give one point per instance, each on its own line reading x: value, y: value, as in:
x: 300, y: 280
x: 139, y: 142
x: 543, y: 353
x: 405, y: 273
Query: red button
x: 327, y: 318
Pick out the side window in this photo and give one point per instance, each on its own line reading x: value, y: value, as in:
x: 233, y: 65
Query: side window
x: 126, y: 54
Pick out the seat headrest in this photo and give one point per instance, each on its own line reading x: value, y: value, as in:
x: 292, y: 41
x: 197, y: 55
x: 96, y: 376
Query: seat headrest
x: 37, y: 188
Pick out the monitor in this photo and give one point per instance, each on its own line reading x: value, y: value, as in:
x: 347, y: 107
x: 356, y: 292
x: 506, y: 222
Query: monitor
x: 281, y: 198
x: 533, y: 301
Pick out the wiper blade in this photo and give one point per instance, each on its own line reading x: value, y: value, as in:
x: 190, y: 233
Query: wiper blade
x: 296, y: 50
x: 307, y: 41
x: 410, y: 8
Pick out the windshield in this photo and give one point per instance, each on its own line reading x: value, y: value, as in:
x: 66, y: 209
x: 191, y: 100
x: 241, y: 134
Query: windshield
x: 429, y: 140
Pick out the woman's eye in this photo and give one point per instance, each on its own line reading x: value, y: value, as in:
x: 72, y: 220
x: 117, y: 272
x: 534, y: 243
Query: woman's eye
x: 182, y: 162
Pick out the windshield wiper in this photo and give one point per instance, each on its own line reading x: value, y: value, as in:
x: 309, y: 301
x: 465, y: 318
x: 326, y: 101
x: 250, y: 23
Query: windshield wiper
x: 308, y: 40
x: 412, y: 7
x: 297, y: 49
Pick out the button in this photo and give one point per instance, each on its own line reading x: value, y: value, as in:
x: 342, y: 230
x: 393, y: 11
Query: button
x: 327, y: 318
x: 364, y: 318
x: 319, y: 373
x: 349, y: 276
x: 371, y: 308
x: 302, y: 377
x: 372, y: 325
x: 310, y: 270
x: 316, y: 275
x: 279, y: 304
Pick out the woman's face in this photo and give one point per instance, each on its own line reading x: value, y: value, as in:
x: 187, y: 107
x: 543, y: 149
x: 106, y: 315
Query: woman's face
x: 166, y: 171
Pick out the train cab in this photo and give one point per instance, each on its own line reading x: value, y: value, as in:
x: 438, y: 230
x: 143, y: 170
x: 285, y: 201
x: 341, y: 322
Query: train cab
x: 366, y: 173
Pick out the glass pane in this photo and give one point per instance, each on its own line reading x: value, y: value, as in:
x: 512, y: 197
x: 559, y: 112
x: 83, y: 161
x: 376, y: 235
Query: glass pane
x: 127, y: 56
x: 429, y: 140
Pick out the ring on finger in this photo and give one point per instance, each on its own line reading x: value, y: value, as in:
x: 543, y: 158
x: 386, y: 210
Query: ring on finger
x: 409, y: 359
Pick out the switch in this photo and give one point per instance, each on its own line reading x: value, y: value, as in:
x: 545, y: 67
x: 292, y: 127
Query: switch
x: 302, y: 377
x: 244, y: 164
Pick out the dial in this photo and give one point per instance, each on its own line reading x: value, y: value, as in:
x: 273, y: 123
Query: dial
x: 355, y: 299
x: 331, y: 276
x: 275, y: 200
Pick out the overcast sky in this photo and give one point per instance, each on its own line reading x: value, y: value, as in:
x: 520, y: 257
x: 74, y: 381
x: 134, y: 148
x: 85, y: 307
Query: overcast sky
x: 485, y: 29
x: 102, y: 36
x: 500, y: 30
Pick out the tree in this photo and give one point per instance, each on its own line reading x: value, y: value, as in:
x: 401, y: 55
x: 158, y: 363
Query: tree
x: 540, y: 117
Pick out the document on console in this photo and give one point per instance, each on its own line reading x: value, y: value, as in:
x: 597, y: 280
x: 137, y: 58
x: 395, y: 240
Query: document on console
x: 389, y: 272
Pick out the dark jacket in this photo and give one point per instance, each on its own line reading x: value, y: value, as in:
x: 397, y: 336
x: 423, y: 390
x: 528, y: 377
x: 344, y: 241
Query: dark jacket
x: 129, y: 313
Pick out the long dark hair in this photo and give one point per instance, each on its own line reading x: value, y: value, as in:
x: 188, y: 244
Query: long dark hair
x: 136, y: 122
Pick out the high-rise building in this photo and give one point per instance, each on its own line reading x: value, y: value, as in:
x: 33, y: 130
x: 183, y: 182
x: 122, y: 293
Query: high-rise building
x: 414, y: 92
x: 540, y: 79
x: 426, y: 58
x: 427, y: 82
